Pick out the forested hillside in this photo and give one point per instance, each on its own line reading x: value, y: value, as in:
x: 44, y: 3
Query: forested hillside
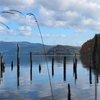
x: 63, y: 50
x: 9, y: 48
x: 87, y: 46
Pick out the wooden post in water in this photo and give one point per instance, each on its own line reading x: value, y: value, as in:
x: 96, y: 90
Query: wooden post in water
x: 18, y: 55
x: 94, y: 62
x: 64, y: 71
x: 1, y: 62
x: 11, y: 65
x: 39, y: 68
x: 75, y: 68
x: 75, y: 61
x: 69, y: 92
x: 18, y: 75
x: 90, y: 75
x: 0, y: 69
x: 53, y: 66
x: 94, y: 51
x: 97, y: 75
x: 18, y: 64
x: 31, y: 66
x: 1, y: 66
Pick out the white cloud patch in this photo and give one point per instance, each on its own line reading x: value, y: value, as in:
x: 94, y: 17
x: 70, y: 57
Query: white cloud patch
x: 74, y: 36
x: 9, y: 32
x: 50, y: 35
x: 56, y: 13
x: 17, y: 4
x: 25, y: 30
x: 26, y: 20
x: 1, y: 29
x: 75, y: 43
x: 70, y: 13
x: 80, y: 31
x: 2, y: 19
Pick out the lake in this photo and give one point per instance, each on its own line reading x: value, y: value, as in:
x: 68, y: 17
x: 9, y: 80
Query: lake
x: 43, y: 80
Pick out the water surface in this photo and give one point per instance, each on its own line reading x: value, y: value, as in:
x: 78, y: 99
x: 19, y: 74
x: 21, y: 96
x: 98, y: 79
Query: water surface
x: 27, y: 84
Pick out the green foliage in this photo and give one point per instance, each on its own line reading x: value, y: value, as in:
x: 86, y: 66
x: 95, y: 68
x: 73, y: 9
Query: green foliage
x: 63, y: 50
x: 88, y: 45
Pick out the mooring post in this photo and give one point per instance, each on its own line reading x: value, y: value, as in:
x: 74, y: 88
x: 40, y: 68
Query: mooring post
x: 0, y: 67
x: 64, y: 68
x: 75, y: 60
x: 39, y: 68
x: 69, y: 92
x: 2, y: 64
x: 18, y: 55
x: 11, y: 65
x: 18, y: 75
x: 94, y: 51
x: 97, y: 75
x: 75, y: 71
x: 75, y: 67
x: 31, y: 66
x: 90, y: 75
x: 94, y: 62
x: 18, y: 64
x: 30, y: 59
x: 53, y: 66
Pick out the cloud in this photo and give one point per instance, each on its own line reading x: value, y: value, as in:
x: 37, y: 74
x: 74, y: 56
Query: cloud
x: 74, y: 36
x: 1, y: 29
x: 26, y: 31
x: 57, y: 13
x: 2, y: 19
x: 50, y: 35
x: 28, y: 20
x: 70, y: 14
x: 80, y: 31
x: 72, y: 43
x: 17, y: 4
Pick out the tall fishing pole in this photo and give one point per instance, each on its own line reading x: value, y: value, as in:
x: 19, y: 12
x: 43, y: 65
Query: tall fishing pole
x: 5, y: 25
x: 31, y: 14
x: 10, y: 12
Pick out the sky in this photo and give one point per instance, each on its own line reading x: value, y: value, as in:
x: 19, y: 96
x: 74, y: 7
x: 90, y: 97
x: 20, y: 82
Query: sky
x: 63, y: 22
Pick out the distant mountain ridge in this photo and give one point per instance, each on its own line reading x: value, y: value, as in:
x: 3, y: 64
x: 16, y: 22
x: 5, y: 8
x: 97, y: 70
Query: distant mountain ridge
x: 63, y: 50
x: 9, y: 48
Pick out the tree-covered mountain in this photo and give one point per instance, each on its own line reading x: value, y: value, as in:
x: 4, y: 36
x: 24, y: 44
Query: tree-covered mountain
x: 10, y: 48
x: 63, y: 50
x: 87, y: 47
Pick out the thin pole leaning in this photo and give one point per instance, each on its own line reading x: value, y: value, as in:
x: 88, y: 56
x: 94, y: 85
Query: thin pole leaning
x: 31, y: 14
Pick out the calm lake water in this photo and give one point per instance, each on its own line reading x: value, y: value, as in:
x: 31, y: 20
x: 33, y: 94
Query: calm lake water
x: 35, y: 84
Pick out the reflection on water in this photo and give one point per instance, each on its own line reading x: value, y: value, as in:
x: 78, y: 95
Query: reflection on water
x: 31, y: 82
